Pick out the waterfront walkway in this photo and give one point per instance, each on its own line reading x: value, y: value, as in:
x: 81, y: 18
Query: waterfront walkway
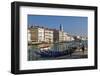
x: 75, y: 55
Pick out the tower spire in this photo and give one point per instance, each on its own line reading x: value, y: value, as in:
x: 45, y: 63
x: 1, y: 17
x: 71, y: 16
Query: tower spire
x: 61, y: 27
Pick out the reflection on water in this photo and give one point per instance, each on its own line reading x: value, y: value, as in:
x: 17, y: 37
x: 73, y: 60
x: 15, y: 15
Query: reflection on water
x: 34, y: 51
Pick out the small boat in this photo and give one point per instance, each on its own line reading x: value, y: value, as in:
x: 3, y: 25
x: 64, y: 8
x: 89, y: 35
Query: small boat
x: 44, y: 48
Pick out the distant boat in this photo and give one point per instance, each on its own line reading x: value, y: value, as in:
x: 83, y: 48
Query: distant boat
x: 44, y: 48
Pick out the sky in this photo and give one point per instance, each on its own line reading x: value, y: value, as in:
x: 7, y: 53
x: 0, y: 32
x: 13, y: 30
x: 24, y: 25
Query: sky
x: 73, y: 25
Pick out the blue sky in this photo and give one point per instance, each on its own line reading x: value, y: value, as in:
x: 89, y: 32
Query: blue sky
x: 74, y: 25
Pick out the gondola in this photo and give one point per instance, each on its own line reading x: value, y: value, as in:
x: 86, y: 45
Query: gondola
x: 51, y: 53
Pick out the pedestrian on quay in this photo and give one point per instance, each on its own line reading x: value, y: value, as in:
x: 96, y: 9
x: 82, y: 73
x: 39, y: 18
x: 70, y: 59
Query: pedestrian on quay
x: 70, y: 52
x: 83, y: 48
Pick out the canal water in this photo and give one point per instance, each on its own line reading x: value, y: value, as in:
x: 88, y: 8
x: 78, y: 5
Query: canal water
x: 52, y: 47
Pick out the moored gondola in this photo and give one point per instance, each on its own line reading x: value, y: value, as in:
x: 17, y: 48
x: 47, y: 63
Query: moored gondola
x: 51, y: 53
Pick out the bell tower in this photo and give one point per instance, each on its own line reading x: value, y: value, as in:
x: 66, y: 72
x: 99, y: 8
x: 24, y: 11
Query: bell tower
x: 61, y: 27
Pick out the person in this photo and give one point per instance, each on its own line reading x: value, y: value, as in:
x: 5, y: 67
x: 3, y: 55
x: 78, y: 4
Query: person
x: 70, y: 52
x: 83, y: 48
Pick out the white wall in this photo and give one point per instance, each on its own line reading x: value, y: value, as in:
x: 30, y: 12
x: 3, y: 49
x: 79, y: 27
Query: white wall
x: 5, y: 41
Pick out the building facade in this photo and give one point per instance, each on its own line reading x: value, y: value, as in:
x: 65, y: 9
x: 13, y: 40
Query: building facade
x: 34, y: 34
x: 55, y: 35
x: 29, y: 36
x: 61, y: 36
x: 41, y: 34
x: 48, y: 35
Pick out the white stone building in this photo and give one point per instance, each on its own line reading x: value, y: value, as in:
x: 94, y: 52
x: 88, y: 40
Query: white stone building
x: 40, y: 34
x: 29, y: 36
x: 48, y: 35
